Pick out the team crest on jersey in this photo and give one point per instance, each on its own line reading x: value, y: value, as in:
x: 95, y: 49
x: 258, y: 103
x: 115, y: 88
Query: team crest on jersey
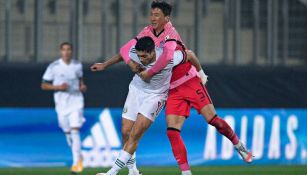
x: 163, y: 42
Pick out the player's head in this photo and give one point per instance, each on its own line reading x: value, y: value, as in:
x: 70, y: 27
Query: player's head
x: 160, y: 14
x: 66, y: 50
x: 145, y: 49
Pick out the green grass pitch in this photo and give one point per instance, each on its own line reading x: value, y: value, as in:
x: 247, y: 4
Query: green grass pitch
x: 212, y: 170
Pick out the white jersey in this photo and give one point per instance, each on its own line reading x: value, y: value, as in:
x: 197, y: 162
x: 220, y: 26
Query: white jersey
x: 160, y: 82
x: 57, y: 73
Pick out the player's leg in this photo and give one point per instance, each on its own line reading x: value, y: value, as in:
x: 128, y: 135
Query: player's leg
x: 126, y: 129
x: 64, y: 125
x: 76, y: 121
x: 139, y: 128
x: 174, y: 125
x: 68, y: 138
x: 222, y: 126
x: 129, y: 117
x: 176, y: 110
x: 209, y: 113
x: 76, y: 150
x: 204, y: 105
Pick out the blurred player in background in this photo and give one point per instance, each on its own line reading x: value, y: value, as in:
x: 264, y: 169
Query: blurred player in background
x: 64, y: 77
x: 145, y: 100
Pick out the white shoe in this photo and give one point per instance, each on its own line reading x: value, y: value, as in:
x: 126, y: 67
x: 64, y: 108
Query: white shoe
x: 186, y: 172
x: 101, y: 174
x: 135, y: 172
x: 246, y: 155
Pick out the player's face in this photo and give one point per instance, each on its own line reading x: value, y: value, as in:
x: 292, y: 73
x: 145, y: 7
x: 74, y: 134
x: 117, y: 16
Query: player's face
x: 158, y: 19
x: 66, y: 52
x: 145, y: 57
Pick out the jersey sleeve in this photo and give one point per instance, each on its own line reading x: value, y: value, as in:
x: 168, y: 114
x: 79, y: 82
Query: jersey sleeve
x: 179, y: 57
x: 133, y: 55
x: 124, y: 51
x: 48, y: 75
x: 143, y: 33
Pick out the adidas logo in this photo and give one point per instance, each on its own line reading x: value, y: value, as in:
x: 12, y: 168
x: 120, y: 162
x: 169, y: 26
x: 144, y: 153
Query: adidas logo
x: 102, y: 146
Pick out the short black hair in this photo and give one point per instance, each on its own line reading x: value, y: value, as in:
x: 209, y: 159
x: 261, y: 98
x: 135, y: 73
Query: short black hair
x: 145, y: 44
x: 165, y: 7
x: 66, y: 43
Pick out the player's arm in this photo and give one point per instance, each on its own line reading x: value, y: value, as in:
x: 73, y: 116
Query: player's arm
x: 191, y: 57
x: 47, y: 81
x: 135, y: 67
x: 82, y: 85
x: 47, y: 86
x: 102, y: 66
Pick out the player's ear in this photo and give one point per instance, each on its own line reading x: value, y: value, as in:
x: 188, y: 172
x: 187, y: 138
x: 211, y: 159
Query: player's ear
x: 167, y: 18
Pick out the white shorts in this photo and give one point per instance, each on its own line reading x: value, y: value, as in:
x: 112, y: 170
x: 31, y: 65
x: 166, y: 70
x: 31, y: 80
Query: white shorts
x: 140, y: 102
x: 71, y: 120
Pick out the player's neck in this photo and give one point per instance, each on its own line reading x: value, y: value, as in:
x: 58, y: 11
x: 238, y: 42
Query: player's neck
x: 160, y: 29
x: 66, y: 61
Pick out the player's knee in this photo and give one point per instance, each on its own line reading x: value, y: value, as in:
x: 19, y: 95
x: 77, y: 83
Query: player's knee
x: 126, y: 131
x: 75, y: 129
x: 208, y: 112
x: 218, y: 123
x: 172, y: 133
x: 134, y: 137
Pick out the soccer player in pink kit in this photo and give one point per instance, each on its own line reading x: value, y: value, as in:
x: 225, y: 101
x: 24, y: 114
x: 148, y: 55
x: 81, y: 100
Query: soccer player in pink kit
x: 187, y: 85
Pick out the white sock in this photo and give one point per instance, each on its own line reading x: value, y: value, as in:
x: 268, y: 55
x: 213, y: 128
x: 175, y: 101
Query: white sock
x: 238, y: 145
x: 120, y: 162
x: 131, y: 164
x: 68, y: 138
x: 76, y: 146
x: 188, y: 172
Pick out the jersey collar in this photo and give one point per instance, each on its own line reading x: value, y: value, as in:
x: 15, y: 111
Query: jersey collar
x: 166, y: 26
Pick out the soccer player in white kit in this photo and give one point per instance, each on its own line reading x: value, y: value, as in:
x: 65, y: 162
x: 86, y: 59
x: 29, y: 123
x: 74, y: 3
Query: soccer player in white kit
x: 64, y: 77
x: 145, y: 100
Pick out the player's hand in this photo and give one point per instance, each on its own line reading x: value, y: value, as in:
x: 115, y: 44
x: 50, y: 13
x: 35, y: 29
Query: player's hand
x: 63, y: 87
x: 135, y: 67
x: 98, y: 67
x: 145, y: 76
x: 83, y: 87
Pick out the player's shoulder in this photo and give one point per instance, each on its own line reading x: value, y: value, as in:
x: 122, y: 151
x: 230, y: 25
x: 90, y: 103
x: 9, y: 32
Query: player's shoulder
x: 76, y: 62
x: 54, y: 63
x: 147, y: 28
x: 146, y: 31
x: 171, y: 31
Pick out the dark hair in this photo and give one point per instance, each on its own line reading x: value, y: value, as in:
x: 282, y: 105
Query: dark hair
x: 66, y: 43
x: 145, y: 44
x: 165, y: 7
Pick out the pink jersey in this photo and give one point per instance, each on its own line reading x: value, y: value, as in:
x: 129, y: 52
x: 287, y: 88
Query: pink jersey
x: 169, y: 40
x: 169, y: 33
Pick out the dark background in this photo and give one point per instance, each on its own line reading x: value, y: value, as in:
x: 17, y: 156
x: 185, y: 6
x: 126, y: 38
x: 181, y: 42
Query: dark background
x: 229, y: 86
